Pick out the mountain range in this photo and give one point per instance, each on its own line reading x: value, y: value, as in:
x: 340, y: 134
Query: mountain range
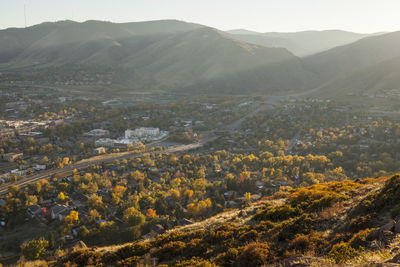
x: 187, y: 57
x: 300, y: 43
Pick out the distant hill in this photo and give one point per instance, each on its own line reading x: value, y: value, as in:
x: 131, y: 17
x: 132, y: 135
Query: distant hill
x: 160, y: 54
x: 343, y: 60
x: 289, y: 76
x: 57, y: 42
x: 200, y: 55
x: 300, y: 43
x: 178, y: 56
x: 270, y: 42
x: 381, y: 78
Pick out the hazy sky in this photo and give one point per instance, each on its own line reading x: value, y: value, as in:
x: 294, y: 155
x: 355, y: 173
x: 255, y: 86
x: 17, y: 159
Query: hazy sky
x: 258, y: 15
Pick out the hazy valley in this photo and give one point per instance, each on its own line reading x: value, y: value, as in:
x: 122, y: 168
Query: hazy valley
x: 168, y: 143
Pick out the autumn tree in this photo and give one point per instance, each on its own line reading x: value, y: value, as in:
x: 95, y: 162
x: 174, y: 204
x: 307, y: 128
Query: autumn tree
x: 72, y: 218
x: 35, y: 249
x: 133, y: 217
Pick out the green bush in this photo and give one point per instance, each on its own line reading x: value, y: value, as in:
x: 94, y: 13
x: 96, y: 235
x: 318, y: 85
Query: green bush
x: 194, y: 262
x: 312, y: 242
x: 35, y: 249
x: 386, y: 199
x: 85, y: 257
x: 227, y: 258
x: 131, y: 261
x: 254, y: 254
x: 136, y: 249
x: 359, y: 240
x: 288, y: 229
x: 171, y: 250
x: 277, y: 213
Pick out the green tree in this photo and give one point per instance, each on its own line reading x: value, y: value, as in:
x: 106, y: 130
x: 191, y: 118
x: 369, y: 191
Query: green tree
x: 35, y: 249
x: 133, y: 217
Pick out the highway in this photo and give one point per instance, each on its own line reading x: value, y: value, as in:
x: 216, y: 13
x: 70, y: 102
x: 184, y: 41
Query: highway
x: 109, y: 158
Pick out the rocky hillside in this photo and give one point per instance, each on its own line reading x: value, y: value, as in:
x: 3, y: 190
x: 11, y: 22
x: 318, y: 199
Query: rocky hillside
x: 336, y: 223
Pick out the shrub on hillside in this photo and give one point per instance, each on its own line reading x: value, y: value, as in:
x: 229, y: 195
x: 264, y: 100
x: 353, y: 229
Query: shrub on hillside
x: 360, y: 239
x: 312, y: 243
x: 342, y: 253
x: 227, y: 258
x: 171, y: 250
x: 194, y: 262
x: 136, y: 249
x: 35, y: 249
x: 288, y: 229
x: 385, y: 199
x: 84, y: 257
x: 277, y: 213
x: 318, y: 196
x: 254, y: 254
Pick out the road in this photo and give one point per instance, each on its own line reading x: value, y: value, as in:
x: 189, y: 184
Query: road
x: 236, y: 125
x: 68, y: 170
x: 292, y: 142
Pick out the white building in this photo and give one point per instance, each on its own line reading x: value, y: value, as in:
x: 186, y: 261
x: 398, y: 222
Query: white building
x: 99, y: 150
x: 97, y: 133
x: 142, y: 132
x: 106, y: 142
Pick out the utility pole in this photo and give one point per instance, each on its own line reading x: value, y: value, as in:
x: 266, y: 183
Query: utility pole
x: 25, y: 14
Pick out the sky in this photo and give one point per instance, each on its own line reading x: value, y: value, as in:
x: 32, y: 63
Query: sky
x: 365, y: 16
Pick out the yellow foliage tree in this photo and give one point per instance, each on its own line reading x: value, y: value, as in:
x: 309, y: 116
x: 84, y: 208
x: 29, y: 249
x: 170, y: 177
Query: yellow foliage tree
x: 119, y: 191
x: 151, y: 214
x: 72, y: 218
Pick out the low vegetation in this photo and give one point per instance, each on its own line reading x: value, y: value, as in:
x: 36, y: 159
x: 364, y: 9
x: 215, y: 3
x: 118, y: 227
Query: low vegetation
x: 277, y: 232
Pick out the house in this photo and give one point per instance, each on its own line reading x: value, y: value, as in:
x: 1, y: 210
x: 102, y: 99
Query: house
x: 230, y: 203
x: 142, y: 132
x: 79, y: 200
x: 99, y: 150
x: 97, y: 133
x: 229, y: 193
x: 105, y: 142
x: 19, y: 172
x: 158, y: 228
x: 33, y: 211
x: 59, y: 212
x: 39, y: 167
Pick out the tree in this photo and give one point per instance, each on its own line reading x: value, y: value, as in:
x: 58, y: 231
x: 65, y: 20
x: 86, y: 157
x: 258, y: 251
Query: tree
x: 96, y: 202
x: 72, y: 218
x: 188, y: 194
x: 151, y: 214
x: 119, y: 191
x: 30, y: 200
x: 14, y: 190
x: 137, y: 175
x: 175, y: 194
x: 35, y: 249
x: 94, y: 215
x: 62, y: 197
x: 63, y: 187
x: 133, y: 217
x: 66, y: 161
x: 247, y: 196
x: 51, y: 240
x: 35, y: 187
